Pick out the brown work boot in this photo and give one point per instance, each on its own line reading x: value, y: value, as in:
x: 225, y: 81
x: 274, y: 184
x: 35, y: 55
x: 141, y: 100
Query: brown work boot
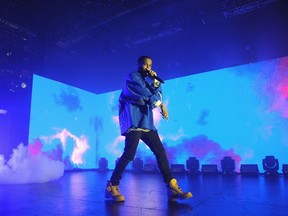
x: 112, y: 192
x: 175, y: 192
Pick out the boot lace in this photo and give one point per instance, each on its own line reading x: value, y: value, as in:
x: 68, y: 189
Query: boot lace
x: 115, y: 190
x: 177, y: 188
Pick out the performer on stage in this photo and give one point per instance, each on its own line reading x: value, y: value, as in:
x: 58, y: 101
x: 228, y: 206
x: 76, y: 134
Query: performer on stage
x: 136, y: 102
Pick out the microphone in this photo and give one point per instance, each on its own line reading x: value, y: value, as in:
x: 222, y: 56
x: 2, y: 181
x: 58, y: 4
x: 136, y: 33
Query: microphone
x: 155, y: 77
x: 159, y: 79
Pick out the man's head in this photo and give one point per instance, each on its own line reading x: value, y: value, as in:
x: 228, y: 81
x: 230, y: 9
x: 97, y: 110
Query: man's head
x: 144, y: 64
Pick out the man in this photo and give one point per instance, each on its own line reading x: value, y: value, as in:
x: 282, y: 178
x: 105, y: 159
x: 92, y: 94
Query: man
x: 136, y: 102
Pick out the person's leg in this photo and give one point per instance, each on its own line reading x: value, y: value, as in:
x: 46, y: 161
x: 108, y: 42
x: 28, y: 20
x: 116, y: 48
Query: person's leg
x: 173, y: 190
x: 131, y: 143
x: 152, y: 140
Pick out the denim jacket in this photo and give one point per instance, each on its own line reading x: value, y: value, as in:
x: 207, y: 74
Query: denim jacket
x: 136, y: 102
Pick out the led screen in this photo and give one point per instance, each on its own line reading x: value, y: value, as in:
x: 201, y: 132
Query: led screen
x: 240, y: 112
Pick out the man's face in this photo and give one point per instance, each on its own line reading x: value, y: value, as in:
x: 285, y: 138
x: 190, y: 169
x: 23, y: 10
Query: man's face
x: 145, y: 66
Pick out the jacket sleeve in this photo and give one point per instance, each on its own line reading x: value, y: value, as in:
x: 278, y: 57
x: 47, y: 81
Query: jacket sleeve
x: 137, y: 89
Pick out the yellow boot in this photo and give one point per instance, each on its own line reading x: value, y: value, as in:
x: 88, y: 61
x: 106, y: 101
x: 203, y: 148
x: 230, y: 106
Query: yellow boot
x: 175, y: 192
x: 112, y: 192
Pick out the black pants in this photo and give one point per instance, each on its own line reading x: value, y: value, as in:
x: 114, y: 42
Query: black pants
x: 152, y: 140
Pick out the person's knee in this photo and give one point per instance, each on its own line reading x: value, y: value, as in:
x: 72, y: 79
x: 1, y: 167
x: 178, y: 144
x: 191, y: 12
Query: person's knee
x: 161, y: 155
x: 128, y: 157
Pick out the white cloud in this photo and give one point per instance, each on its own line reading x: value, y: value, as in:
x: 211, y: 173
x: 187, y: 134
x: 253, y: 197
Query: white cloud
x: 23, y: 167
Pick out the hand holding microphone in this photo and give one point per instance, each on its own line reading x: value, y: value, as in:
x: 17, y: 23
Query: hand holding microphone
x: 153, y: 74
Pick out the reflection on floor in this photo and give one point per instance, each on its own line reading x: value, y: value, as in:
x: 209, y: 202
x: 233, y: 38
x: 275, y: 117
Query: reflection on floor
x: 82, y: 193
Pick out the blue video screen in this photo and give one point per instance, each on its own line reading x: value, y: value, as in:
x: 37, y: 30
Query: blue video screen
x: 240, y: 112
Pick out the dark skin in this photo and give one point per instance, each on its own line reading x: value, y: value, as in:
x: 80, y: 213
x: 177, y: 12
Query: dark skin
x: 144, y: 68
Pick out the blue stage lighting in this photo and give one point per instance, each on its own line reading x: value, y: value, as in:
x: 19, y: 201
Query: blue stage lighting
x: 270, y: 165
x: 137, y: 165
x: 192, y: 165
x: 103, y: 164
x: 228, y: 165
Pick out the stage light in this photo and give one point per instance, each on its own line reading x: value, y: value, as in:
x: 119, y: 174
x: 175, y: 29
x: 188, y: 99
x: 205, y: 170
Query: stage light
x: 228, y: 165
x: 150, y: 168
x: 285, y: 169
x: 270, y: 166
x: 209, y: 169
x: 192, y: 165
x: 3, y: 111
x: 137, y: 165
x: 128, y: 167
x: 177, y: 168
x: 23, y: 85
x: 103, y: 164
x: 249, y: 169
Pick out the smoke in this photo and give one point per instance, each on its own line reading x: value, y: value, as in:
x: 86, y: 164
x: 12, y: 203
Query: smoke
x: 24, y: 167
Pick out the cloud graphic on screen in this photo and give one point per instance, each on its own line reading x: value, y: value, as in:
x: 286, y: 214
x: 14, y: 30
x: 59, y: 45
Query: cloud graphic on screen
x: 280, y: 103
x: 70, y: 99
x: 202, y: 118
x: 97, y: 123
x: 25, y: 167
x: 114, y: 103
x: 56, y: 153
x: 116, y: 148
x: 190, y: 87
x: 78, y: 149
x: 205, y: 150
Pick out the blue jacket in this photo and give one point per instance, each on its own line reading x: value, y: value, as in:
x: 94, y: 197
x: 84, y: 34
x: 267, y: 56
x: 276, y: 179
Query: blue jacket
x: 136, y: 102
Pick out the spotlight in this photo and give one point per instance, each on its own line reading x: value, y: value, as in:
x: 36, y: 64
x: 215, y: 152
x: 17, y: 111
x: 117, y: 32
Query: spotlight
x: 128, y: 168
x: 285, y: 169
x: 103, y: 164
x: 228, y: 165
x: 209, y: 169
x: 23, y: 85
x: 192, y: 165
x: 270, y: 166
x: 177, y: 168
x: 3, y: 111
x: 137, y: 165
x: 249, y: 169
x: 150, y: 168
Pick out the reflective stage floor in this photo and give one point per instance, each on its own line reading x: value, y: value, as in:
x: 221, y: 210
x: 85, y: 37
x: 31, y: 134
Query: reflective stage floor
x: 82, y: 193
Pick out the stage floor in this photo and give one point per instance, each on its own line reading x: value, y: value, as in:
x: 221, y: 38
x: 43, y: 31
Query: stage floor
x: 82, y: 193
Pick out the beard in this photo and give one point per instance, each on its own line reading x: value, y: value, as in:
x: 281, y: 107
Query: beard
x: 143, y: 72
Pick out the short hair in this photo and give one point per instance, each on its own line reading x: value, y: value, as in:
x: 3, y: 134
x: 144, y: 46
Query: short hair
x: 141, y: 59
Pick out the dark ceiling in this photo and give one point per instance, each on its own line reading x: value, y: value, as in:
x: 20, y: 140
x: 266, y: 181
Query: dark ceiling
x: 92, y: 44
